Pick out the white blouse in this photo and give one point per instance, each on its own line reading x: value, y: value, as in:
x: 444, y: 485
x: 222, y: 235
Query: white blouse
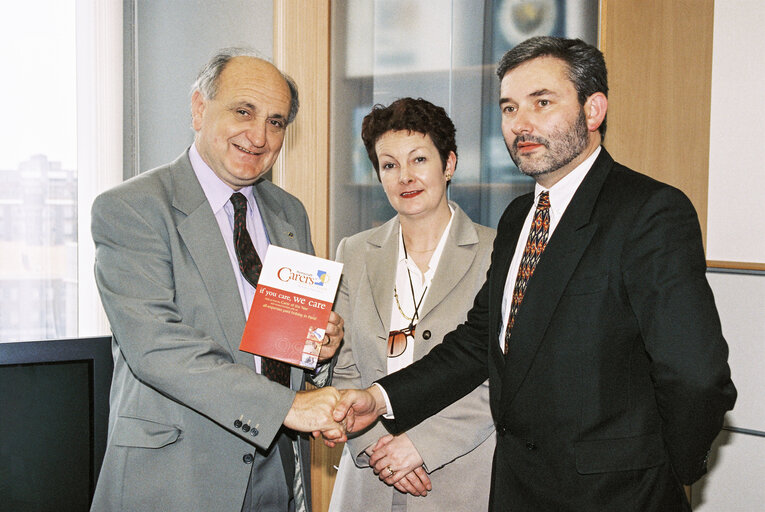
x: 403, y: 308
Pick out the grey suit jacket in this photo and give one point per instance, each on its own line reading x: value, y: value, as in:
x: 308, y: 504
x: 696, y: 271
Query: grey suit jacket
x: 180, y: 382
x: 457, y: 444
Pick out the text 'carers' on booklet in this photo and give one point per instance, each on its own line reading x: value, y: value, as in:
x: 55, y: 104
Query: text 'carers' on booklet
x: 291, y: 307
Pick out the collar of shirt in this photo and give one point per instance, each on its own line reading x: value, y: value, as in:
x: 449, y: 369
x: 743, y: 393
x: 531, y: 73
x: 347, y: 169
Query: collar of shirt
x: 427, y: 277
x: 218, y: 194
x: 563, y: 191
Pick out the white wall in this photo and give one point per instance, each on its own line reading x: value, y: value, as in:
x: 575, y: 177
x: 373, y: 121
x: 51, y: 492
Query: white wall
x: 735, y: 481
x: 736, y: 219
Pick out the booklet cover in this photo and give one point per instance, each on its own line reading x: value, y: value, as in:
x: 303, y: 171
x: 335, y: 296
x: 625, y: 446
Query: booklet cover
x: 291, y: 307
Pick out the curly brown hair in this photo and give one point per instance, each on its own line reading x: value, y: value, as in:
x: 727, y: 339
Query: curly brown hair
x: 412, y: 115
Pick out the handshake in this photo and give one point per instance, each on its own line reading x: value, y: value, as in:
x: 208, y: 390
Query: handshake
x: 332, y: 413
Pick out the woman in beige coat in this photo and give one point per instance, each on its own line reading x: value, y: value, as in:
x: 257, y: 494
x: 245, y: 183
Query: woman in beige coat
x: 405, y: 284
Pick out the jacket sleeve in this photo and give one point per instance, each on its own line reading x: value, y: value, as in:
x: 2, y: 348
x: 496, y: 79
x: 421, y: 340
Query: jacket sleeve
x: 667, y: 289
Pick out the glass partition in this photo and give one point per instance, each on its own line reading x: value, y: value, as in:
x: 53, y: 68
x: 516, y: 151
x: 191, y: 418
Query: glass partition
x: 444, y: 51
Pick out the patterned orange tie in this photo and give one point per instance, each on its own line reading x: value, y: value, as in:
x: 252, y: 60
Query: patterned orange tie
x: 250, y: 265
x: 535, y: 245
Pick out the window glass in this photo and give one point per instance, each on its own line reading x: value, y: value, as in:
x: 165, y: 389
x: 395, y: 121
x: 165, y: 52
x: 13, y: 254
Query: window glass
x: 38, y: 171
x: 444, y: 51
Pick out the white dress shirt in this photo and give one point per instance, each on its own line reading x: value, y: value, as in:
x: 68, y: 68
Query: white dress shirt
x: 560, y: 196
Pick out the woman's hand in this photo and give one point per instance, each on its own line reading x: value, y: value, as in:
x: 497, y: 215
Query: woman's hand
x: 398, y: 463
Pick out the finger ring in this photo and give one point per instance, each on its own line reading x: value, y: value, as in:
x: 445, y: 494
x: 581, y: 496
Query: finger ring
x: 390, y: 471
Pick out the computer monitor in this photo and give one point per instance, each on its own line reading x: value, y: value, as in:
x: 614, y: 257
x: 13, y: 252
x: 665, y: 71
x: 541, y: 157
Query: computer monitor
x: 54, y: 414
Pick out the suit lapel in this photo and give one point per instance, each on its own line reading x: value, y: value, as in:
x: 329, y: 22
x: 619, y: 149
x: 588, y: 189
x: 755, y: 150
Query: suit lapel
x: 280, y: 231
x: 457, y: 257
x: 381, y: 261
x: 557, y: 264
x: 201, y: 235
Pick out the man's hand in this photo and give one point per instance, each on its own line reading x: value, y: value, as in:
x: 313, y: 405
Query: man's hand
x: 359, y: 408
x: 333, y: 335
x: 397, y: 462
x: 312, y: 411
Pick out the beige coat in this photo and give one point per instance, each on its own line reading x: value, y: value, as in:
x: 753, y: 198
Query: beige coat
x: 457, y: 444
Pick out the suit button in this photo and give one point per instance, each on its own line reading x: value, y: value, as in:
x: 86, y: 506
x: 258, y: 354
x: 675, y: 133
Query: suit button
x: 530, y: 445
x: 247, y: 458
x: 426, y: 335
x: 501, y: 429
x: 246, y: 428
x: 237, y: 424
x: 254, y: 432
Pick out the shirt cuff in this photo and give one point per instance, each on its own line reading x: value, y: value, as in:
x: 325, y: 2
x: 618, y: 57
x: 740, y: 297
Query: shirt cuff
x: 389, y: 415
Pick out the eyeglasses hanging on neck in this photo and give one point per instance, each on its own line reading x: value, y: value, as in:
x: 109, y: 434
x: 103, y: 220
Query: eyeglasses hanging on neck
x: 398, y: 340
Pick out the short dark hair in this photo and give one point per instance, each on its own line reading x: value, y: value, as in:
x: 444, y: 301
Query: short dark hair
x: 412, y: 115
x: 586, y: 65
x: 209, y: 76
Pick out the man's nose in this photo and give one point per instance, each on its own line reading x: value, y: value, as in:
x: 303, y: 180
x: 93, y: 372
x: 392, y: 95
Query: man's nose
x: 521, y: 123
x: 256, y: 133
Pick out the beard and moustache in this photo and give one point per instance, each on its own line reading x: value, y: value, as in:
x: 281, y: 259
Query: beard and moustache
x: 563, y: 145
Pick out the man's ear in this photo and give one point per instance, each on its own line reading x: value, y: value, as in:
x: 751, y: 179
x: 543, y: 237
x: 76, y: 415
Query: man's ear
x: 198, y: 105
x: 595, y: 110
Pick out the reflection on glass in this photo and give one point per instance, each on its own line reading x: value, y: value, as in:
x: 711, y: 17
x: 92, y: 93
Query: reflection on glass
x: 444, y: 51
x: 38, y: 177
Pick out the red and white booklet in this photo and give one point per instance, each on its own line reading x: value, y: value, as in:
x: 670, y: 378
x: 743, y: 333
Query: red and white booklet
x: 291, y: 307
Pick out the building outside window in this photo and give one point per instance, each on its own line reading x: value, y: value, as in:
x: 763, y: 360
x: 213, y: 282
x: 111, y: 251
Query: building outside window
x: 50, y: 107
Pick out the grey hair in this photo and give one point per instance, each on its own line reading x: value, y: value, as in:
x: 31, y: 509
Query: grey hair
x: 207, y: 80
x: 586, y: 65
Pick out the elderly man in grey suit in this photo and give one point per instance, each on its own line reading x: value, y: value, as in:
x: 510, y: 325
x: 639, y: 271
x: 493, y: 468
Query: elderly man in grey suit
x: 196, y: 424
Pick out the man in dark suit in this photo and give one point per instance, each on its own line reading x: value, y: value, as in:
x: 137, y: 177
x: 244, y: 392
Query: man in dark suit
x: 196, y: 424
x: 596, y: 325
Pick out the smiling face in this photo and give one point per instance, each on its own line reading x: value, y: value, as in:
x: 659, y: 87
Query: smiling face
x: 546, y: 130
x: 412, y: 174
x: 241, y: 131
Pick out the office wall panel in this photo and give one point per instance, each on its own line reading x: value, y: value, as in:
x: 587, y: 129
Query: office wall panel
x: 740, y: 300
x: 736, y: 223
x: 735, y: 481
x: 659, y: 58
x: 737, y: 460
